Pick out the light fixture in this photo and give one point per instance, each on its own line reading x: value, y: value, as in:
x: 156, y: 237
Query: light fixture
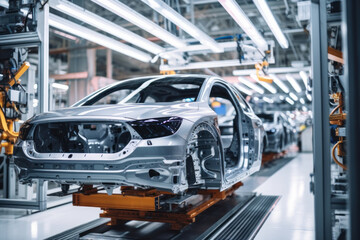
x: 289, y: 100
x: 103, y: 24
x: 304, y: 109
x: 268, y: 100
x: 280, y: 83
x: 304, y: 77
x: 251, y: 85
x: 281, y: 97
x: 256, y: 99
x: 265, y: 11
x: 302, y: 101
x: 243, y: 89
x: 309, y: 97
x: 244, y: 22
x: 264, y: 84
x: 293, y: 83
x: 60, y: 86
x: 139, y: 20
x: 83, y: 32
x: 184, y: 24
x: 293, y: 96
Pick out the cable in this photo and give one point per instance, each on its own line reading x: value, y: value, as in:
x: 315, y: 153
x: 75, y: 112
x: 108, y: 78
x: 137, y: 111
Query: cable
x: 334, y: 110
x: 334, y: 157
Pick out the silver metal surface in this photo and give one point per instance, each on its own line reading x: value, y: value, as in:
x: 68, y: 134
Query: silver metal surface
x: 160, y: 162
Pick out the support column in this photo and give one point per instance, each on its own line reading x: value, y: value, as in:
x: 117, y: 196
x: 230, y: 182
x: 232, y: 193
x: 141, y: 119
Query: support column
x: 321, y: 134
x: 43, y: 32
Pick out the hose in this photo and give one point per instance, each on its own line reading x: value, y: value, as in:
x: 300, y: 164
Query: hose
x: 334, y: 157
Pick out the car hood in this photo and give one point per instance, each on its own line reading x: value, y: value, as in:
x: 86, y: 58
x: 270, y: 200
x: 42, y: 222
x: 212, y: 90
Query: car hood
x: 128, y: 111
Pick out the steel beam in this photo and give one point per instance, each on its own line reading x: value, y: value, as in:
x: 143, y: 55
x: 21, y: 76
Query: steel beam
x: 351, y: 39
x: 321, y: 139
x: 43, y: 32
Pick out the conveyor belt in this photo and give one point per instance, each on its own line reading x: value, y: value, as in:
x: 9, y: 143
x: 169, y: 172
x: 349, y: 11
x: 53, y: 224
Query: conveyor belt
x: 237, y: 217
x: 246, y: 222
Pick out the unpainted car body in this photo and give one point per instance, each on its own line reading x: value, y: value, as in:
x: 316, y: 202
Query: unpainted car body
x: 153, y: 132
x: 280, y: 132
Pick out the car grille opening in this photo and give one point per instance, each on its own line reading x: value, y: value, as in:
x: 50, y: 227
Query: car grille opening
x: 72, y: 137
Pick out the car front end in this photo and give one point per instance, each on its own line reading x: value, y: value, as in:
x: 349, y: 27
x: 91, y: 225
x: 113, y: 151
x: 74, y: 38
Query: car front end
x: 112, y: 152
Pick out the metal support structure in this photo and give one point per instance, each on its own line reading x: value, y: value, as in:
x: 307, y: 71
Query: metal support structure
x: 351, y: 36
x: 321, y: 140
x: 38, y: 39
x: 43, y: 32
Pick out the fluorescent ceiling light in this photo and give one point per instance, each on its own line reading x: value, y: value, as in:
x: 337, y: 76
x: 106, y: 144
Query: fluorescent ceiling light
x: 184, y: 24
x: 83, y: 32
x: 281, y: 97
x: 256, y: 99
x: 244, y: 22
x: 103, y: 24
x: 139, y: 20
x: 265, y: 11
x: 60, y: 86
x: 304, y: 77
x: 293, y: 83
x: 304, y: 108
x: 268, y: 86
x: 309, y: 97
x: 251, y: 85
x: 243, y: 89
x: 289, y: 100
x: 302, y: 101
x: 280, y: 83
x: 293, y: 96
x: 268, y: 100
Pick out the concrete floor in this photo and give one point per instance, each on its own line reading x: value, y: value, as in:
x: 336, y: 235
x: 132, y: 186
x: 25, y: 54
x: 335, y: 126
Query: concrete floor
x: 292, y: 218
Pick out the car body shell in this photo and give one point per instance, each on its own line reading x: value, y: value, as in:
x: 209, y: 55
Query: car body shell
x: 147, y: 163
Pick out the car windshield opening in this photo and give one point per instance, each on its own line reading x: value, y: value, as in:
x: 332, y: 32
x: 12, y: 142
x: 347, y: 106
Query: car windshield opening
x: 150, y: 90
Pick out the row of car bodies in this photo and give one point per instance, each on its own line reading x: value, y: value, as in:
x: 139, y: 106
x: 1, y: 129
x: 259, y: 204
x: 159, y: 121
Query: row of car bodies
x: 280, y: 130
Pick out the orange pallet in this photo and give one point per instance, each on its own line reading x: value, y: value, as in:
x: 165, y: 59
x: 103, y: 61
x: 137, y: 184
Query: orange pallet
x: 144, y: 205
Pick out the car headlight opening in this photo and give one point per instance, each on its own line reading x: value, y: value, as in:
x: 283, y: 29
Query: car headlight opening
x: 156, y: 127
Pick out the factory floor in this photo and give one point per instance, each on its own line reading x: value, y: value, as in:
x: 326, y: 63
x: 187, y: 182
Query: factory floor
x: 292, y: 218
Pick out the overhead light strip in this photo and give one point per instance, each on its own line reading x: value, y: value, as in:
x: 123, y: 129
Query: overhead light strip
x: 93, y: 36
x: 280, y: 83
x: 289, y: 100
x: 244, y: 22
x: 264, y: 84
x: 251, y: 85
x: 293, y: 83
x: 139, y: 20
x: 268, y: 100
x: 304, y: 77
x: 184, y: 24
x: 293, y: 96
x: 265, y: 11
x: 103, y: 24
x: 243, y: 89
